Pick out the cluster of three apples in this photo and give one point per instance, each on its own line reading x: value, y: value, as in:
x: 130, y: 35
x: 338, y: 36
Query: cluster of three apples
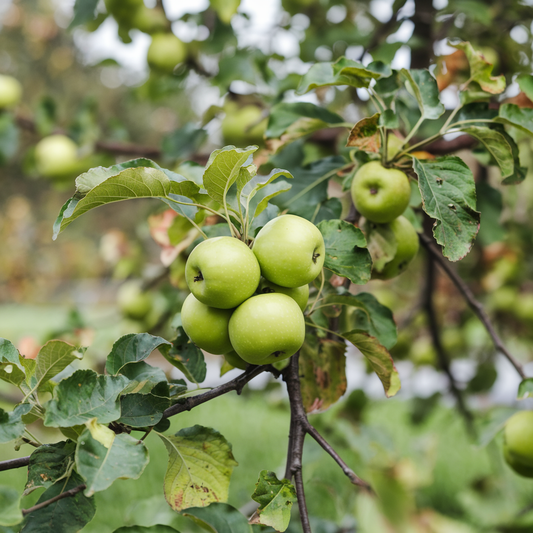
x: 381, y: 195
x: 231, y: 310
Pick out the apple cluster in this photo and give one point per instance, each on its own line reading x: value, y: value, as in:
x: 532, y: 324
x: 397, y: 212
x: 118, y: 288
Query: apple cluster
x: 518, y: 443
x: 381, y: 195
x: 247, y: 304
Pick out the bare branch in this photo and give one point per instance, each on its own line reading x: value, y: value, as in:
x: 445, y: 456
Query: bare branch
x: 476, y: 306
x: 302, y: 505
x: 14, y: 463
x: 236, y: 384
x: 442, y: 356
x: 354, y: 478
x: 66, y: 494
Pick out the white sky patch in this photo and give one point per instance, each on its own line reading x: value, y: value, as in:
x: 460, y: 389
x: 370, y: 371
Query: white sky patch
x: 381, y: 9
x: 176, y: 9
x: 403, y: 34
x: 402, y: 58
x: 449, y: 97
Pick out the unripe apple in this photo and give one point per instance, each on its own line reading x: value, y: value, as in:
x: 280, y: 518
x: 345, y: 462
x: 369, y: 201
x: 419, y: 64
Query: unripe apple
x: 299, y: 294
x: 150, y: 21
x: 165, y: 52
x: 132, y: 301
x: 393, y: 146
x: 290, y: 251
x: 206, y: 326
x: 56, y: 157
x: 518, y: 439
x: 10, y: 91
x: 222, y: 272
x: 380, y: 194
x: 243, y: 126
x: 235, y: 360
x: 267, y: 328
x: 407, y: 248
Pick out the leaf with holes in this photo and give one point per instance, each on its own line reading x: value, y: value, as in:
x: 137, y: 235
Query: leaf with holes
x: 449, y: 196
x: 11, y: 367
x: 199, y: 467
x: 275, y: 498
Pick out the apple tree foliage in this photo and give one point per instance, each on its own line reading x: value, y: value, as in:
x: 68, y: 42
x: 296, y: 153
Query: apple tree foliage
x: 352, y: 112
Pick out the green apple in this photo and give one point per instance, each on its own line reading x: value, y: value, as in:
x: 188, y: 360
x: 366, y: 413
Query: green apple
x: 299, y: 294
x: 394, y: 145
x: 243, y: 126
x: 165, y: 52
x: 267, y: 328
x: 407, y: 248
x: 290, y: 251
x: 56, y: 157
x: 518, y: 439
x: 10, y: 91
x: 132, y: 301
x: 222, y: 272
x: 206, y: 326
x: 380, y: 194
x: 149, y: 20
x: 235, y: 360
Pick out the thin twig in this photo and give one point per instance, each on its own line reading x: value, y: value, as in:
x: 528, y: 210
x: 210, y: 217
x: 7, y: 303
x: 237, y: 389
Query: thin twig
x: 236, y: 384
x: 442, y: 356
x: 352, y: 476
x: 66, y: 494
x: 14, y: 463
x: 302, y: 506
x: 476, y: 306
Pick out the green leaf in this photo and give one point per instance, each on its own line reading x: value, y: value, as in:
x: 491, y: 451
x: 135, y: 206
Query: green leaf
x: 187, y: 357
x: 199, y: 468
x: 223, y: 168
x: 290, y: 121
x: 449, y: 196
x: 496, y: 145
x: 52, y: 359
x: 225, y: 9
x: 275, y: 499
x: 9, y: 138
x: 493, y: 423
x: 322, y: 364
x: 424, y: 88
x: 382, y: 244
x: 132, y: 348
x: 143, y: 410
x: 158, y: 528
x: 82, y: 396
x: 525, y: 82
x: 143, y: 377
x: 389, y: 119
x: 342, y: 72
x: 481, y: 69
x: 346, y: 252
x: 490, y: 205
x: 48, y: 463
x: 257, y: 192
x: 101, y: 186
x: 84, y: 11
x: 219, y: 518
x: 183, y: 142
x: 10, y: 513
x: 11, y: 424
x: 100, y: 464
x: 525, y: 389
x: 519, y: 117
x: 365, y: 134
x: 66, y: 515
x: 11, y: 369
x: 379, y: 359
x: 367, y: 314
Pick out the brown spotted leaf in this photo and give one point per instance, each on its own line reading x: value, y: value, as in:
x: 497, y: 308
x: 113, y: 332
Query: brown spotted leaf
x: 322, y: 373
x: 199, y: 468
x: 365, y: 134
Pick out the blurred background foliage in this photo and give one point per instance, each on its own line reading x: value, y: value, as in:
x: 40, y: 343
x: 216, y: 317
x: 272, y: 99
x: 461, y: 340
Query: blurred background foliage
x: 119, y: 270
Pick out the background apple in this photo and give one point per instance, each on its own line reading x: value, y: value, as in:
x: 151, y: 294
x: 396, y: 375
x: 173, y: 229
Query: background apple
x: 206, y: 326
x: 290, y: 251
x: 132, y: 301
x: 165, y: 52
x: 518, y: 438
x: 267, y: 328
x: 10, y: 91
x: 299, y: 294
x: 380, y: 194
x: 56, y: 157
x: 235, y: 360
x: 243, y: 126
x: 222, y: 272
x: 408, y: 244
